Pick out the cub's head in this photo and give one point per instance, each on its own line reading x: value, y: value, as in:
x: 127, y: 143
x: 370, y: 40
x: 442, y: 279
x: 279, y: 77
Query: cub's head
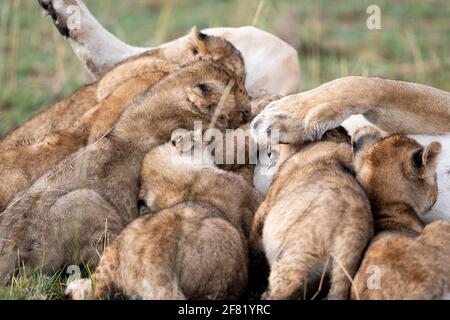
x: 396, y: 169
x: 217, y: 96
x: 200, y: 46
x: 201, y: 92
x: 169, y: 171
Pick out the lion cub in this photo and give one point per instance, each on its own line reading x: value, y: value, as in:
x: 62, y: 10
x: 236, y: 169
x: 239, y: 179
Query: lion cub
x: 21, y: 164
x: 405, y: 260
x: 193, y: 246
x: 314, y: 221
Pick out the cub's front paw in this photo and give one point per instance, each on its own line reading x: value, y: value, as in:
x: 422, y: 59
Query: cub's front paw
x: 80, y: 290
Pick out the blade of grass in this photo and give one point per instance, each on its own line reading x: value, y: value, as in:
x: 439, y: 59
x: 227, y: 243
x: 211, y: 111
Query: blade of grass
x: 258, y: 13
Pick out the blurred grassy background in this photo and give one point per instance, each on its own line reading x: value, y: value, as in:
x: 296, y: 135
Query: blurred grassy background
x: 37, y: 67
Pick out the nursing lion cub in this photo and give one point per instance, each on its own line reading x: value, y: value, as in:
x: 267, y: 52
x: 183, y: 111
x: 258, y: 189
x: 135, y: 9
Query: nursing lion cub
x: 193, y: 244
x: 315, y: 220
x: 405, y: 260
x: 62, y: 218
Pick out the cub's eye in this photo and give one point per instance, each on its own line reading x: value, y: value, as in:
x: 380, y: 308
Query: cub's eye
x: 205, y: 89
x: 195, y: 51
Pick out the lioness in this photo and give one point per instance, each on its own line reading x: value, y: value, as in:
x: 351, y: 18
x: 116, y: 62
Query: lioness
x: 404, y: 260
x: 394, y: 106
x: 315, y: 220
x: 62, y: 217
x: 194, y: 243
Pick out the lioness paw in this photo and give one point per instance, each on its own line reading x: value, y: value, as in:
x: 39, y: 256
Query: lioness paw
x: 277, y: 125
x: 297, y: 119
x: 321, y: 118
x: 58, y: 11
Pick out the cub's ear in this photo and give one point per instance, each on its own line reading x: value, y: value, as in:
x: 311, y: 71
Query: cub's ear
x: 190, y: 143
x: 198, y: 40
x: 366, y: 137
x: 183, y: 140
x: 426, y: 158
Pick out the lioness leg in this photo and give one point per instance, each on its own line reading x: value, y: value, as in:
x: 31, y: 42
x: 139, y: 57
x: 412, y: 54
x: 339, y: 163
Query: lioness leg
x: 394, y: 106
x: 96, y: 47
x: 99, y: 50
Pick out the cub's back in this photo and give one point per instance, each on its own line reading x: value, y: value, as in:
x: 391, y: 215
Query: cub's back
x: 408, y: 262
x: 192, y: 240
x: 315, y: 191
x: 318, y: 176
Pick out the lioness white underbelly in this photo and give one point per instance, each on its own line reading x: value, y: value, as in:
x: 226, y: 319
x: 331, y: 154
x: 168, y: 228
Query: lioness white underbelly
x: 441, y: 209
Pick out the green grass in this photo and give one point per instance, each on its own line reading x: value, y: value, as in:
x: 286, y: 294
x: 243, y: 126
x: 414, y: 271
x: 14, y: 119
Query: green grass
x: 39, y: 286
x: 37, y: 67
x: 35, y: 287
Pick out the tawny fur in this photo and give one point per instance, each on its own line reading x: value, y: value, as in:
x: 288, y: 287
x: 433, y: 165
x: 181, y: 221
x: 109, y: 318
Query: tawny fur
x: 97, y: 187
x: 404, y: 260
x: 106, y: 99
x: 65, y: 123
x: 194, y: 243
x: 315, y: 212
x: 22, y: 164
x: 236, y: 151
